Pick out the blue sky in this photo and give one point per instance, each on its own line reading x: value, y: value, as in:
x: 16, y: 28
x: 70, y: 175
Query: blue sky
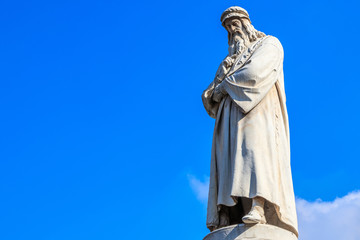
x: 103, y: 133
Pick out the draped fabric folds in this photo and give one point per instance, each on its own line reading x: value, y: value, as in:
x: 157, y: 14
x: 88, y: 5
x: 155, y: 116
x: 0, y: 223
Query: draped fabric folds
x: 251, y: 148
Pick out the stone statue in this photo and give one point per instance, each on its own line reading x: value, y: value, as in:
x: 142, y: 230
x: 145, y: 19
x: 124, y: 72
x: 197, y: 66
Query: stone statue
x: 250, y: 176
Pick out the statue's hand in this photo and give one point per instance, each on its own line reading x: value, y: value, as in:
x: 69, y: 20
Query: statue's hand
x: 228, y: 62
x: 224, y: 68
x: 221, y: 72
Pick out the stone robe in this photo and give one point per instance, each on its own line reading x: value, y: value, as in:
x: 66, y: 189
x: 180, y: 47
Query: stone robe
x: 251, y: 149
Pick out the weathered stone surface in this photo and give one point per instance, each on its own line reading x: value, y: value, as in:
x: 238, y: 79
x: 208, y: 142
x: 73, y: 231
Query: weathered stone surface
x: 250, y: 172
x: 253, y: 232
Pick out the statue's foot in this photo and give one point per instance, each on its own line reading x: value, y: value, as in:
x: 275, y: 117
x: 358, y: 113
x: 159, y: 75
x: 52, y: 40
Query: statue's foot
x: 254, y: 217
x: 212, y: 228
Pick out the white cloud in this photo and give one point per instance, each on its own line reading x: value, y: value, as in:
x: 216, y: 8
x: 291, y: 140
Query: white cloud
x: 319, y: 220
x: 200, y: 188
x: 336, y: 220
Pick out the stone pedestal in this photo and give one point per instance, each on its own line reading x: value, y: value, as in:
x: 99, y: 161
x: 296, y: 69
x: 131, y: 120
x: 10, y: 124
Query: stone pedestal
x: 253, y: 232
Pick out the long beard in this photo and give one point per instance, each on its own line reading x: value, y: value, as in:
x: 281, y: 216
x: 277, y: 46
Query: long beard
x: 237, y: 44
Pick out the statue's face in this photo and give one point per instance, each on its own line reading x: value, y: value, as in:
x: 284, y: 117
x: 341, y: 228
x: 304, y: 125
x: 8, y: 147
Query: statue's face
x: 233, y: 25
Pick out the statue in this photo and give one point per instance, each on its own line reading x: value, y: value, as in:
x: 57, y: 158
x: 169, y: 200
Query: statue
x: 250, y: 176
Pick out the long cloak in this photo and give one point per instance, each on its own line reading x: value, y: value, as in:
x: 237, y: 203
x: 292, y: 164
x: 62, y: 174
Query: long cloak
x: 251, y: 149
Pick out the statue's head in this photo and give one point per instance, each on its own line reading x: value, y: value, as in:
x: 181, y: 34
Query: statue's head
x: 241, y: 32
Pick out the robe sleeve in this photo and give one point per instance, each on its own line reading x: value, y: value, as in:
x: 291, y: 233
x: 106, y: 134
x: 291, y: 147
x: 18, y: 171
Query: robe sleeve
x: 210, y: 105
x: 249, y: 85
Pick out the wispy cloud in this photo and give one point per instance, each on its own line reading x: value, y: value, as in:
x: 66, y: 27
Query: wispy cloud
x: 335, y: 220
x: 200, y: 188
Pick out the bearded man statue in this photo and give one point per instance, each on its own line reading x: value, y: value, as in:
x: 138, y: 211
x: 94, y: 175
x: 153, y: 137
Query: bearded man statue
x: 250, y: 174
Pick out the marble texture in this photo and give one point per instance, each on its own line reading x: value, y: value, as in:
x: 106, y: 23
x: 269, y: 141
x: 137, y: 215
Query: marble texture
x: 254, y: 232
x: 250, y: 160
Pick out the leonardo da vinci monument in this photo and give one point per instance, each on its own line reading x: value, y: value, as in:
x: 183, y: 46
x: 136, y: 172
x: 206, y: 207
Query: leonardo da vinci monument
x: 251, y: 190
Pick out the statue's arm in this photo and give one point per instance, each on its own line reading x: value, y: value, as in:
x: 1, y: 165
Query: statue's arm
x: 213, y: 95
x: 250, y: 84
x: 224, y: 68
x: 210, y: 105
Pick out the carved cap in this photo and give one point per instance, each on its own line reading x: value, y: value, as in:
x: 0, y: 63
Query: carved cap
x: 234, y: 12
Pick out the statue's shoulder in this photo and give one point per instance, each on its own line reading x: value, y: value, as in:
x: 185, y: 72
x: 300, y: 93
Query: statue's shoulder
x: 273, y: 41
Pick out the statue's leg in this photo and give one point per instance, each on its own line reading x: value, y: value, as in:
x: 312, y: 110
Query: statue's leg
x: 225, y: 215
x: 224, y: 219
x: 237, y: 212
x: 256, y: 214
